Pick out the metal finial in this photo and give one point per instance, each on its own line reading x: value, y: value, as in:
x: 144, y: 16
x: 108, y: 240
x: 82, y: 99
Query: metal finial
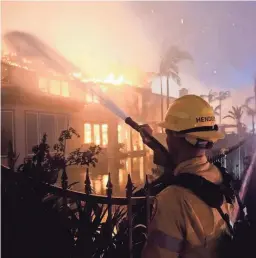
x: 109, y: 184
x: 87, y: 182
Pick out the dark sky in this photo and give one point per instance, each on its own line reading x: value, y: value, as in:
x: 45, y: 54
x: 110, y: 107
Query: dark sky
x: 221, y: 36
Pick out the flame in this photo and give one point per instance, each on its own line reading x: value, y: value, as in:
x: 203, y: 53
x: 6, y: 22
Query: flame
x: 110, y: 79
x: 9, y: 58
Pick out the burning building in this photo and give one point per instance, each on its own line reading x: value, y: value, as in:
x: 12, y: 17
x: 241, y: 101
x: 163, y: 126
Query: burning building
x: 35, y: 104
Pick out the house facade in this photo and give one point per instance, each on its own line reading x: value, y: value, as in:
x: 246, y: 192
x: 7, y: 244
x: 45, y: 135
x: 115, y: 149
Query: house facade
x: 33, y: 105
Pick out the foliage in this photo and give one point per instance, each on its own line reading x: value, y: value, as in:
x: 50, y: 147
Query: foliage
x: 12, y: 155
x: 210, y: 97
x: 223, y: 95
x: 250, y: 111
x: 169, y: 63
x: 46, y: 165
x: 236, y: 114
x: 39, y: 223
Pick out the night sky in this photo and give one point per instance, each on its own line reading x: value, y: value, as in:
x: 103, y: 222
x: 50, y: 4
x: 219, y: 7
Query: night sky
x: 124, y: 36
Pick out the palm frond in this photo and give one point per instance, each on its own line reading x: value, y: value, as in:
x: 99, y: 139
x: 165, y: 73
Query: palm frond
x: 228, y: 116
x: 223, y: 95
x: 249, y: 110
x: 249, y: 100
x: 217, y: 108
x: 231, y: 113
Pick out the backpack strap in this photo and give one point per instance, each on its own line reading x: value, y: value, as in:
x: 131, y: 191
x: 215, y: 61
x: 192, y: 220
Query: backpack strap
x: 205, y: 190
x: 213, y: 195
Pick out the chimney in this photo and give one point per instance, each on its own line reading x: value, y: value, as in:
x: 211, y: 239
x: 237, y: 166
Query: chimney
x: 183, y: 92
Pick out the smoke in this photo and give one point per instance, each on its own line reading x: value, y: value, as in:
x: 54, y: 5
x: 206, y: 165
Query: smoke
x: 122, y: 37
x: 99, y: 37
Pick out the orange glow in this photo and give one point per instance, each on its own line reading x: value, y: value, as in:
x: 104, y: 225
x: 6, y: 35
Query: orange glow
x: 77, y: 75
x: 88, y: 97
x: 54, y: 87
x: 91, y: 98
x: 119, y: 130
x: 103, y: 88
x: 64, y: 89
x: 43, y: 84
x: 121, y: 176
x: 8, y: 61
x: 87, y: 133
x: 110, y: 79
x: 96, y: 134
x: 104, y: 130
x: 104, y: 181
x: 142, y: 169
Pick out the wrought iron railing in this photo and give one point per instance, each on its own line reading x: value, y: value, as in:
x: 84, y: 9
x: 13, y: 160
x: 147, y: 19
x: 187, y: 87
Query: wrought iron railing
x: 128, y: 202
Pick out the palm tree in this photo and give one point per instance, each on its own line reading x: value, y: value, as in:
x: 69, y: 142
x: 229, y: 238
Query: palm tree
x: 221, y: 96
x: 210, y: 97
x: 250, y: 112
x: 236, y: 114
x: 169, y: 67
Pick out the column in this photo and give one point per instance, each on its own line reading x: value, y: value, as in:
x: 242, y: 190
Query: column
x: 112, y: 138
x: 20, y: 134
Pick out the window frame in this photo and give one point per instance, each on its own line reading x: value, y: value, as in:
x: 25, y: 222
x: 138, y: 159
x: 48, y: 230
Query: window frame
x: 101, y: 133
x: 48, y: 86
x: 38, y: 113
x: 12, y: 111
x: 89, y: 94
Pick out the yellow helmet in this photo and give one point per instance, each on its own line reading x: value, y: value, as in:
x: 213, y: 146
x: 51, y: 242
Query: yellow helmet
x: 192, y: 117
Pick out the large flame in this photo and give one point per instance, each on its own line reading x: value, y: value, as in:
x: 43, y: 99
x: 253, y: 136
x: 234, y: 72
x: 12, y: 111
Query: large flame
x: 110, y: 79
x: 11, y: 59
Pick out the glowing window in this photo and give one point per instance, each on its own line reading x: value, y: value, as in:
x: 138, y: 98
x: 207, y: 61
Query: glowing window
x: 104, y: 130
x: 95, y: 99
x: 54, y: 87
x: 103, y: 88
x: 43, y: 84
x: 64, y: 89
x: 88, y: 97
x: 104, y: 181
x: 87, y: 133
x: 121, y: 176
x: 142, y: 169
x: 96, y: 134
x: 140, y: 143
x: 91, y: 98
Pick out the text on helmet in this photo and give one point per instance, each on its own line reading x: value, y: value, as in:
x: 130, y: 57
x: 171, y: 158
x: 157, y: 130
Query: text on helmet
x: 202, y: 119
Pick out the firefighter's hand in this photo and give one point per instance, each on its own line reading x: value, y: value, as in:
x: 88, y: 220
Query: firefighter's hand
x: 145, y: 129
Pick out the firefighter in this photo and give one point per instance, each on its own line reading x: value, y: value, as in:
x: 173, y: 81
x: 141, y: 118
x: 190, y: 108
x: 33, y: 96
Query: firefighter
x: 183, y: 225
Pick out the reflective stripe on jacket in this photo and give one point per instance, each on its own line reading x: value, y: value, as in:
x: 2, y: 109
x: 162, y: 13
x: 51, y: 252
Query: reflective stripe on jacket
x: 184, y: 226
